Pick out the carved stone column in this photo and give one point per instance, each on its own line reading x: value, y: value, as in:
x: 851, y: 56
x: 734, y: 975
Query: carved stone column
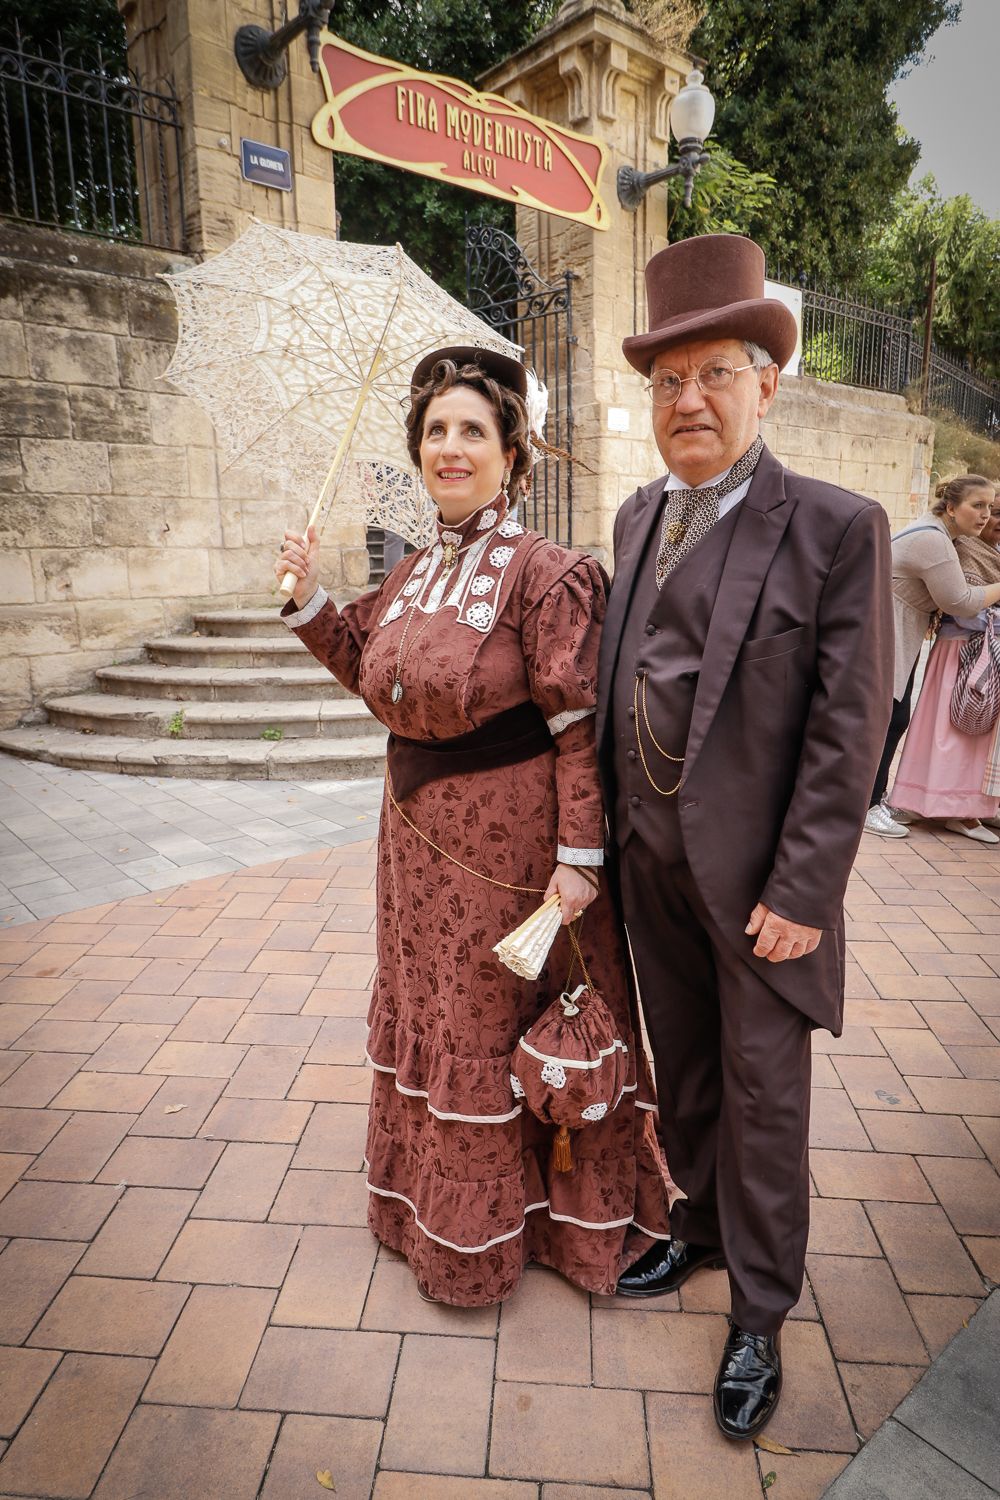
x: 595, y: 69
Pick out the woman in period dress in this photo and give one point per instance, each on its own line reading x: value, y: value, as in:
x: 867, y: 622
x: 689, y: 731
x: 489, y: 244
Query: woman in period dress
x: 479, y: 653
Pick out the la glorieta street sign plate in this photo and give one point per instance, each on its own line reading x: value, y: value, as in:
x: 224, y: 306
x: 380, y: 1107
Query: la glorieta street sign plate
x: 442, y: 128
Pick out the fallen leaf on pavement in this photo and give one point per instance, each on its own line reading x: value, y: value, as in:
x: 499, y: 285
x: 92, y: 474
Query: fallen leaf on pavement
x: 174, y: 1109
x: 325, y: 1478
x: 769, y: 1446
x: 769, y: 1479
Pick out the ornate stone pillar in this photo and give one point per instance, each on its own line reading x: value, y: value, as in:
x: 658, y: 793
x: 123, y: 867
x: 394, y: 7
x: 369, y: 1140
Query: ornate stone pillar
x: 191, y: 42
x: 595, y: 69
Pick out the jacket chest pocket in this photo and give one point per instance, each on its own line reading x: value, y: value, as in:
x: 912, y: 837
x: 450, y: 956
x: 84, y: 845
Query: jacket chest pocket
x: 765, y: 647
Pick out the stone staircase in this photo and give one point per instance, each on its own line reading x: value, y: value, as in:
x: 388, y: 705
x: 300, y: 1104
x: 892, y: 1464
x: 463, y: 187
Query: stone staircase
x: 240, y: 699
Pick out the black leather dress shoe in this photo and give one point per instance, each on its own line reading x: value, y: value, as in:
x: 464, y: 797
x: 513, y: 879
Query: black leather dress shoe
x: 665, y: 1267
x: 748, y: 1384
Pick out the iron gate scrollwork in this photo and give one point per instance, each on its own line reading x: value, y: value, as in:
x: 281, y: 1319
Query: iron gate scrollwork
x: 504, y: 289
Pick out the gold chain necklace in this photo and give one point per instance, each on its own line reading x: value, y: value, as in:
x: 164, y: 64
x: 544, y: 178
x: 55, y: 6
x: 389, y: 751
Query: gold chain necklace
x: 677, y: 759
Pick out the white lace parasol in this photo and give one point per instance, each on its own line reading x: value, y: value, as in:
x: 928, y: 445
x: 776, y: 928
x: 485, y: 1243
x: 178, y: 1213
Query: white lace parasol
x: 300, y: 349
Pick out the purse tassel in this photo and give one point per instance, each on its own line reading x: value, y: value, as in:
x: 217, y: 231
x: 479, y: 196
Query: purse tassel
x: 562, y: 1151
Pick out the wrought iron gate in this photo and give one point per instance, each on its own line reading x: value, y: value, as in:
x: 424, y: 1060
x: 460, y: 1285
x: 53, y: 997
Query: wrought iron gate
x: 506, y: 291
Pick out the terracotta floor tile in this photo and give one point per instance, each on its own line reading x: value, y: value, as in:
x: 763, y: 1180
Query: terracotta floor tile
x: 30, y: 1130
x: 803, y: 1476
x: 334, y: 1138
x: 439, y: 1415
x: 987, y: 1132
x: 214, y: 1342
x: 346, y: 942
x: 148, y: 1010
x: 162, y: 1162
x: 208, y: 1020
x: 924, y: 1251
x: 281, y: 1121
x: 914, y: 987
x: 569, y: 1433
x: 707, y: 1292
x: 12, y: 1168
x: 81, y: 1148
x: 332, y: 1084
x: 928, y: 1135
x: 657, y: 1351
x: 977, y: 1062
x: 983, y: 995
x: 15, y: 1020
x: 223, y: 1253
x: 244, y: 1182
x: 23, y: 1373
x: 34, y: 991
x: 38, y: 1081
x: 55, y: 1210
x: 278, y: 1031
x: 310, y: 1296
x: 232, y: 983
x: 824, y: 1074
x: 691, y: 1458
x: 854, y: 1041
x: 968, y: 1191
x: 877, y: 1014
x: 216, y: 1455
x: 869, y: 1174
x: 266, y: 1072
x: 104, y: 1315
x: 545, y: 1332
x: 298, y: 937
x: 10, y: 1062
x: 985, y: 1251
x: 179, y: 1107
x: 912, y: 937
x: 955, y: 965
x: 31, y: 1273
x: 874, y: 1083
x: 110, y: 1093
x: 813, y: 1413
x: 128, y: 1050
x: 197, y: 1059
x: 139, y: 1232
x: 393, y: 1306
x: 940, y: 1318
x: 589, y: 1492
x: 874, y: 1391
x: 954, y: 1096
x: 321, y: 1371
x: 282, y: 994
x: 64, y: 1444
x: 348, y: 971
x: 864, y: 1313
x: 834, y: 1122
x: 839, y: 1226
x: 345, y: 1445
x: 915, y: 1051
x: 955, y: 1024
x: 341, y: 1039
x: 322, y: 1198
x: 880, y: 958
x: 288, y: 961
x: 396, y: 1486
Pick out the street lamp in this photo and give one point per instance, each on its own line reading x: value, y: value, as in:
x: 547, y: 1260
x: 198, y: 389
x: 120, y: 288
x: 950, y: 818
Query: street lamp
x: 260, y: 53
x: 691, y: 116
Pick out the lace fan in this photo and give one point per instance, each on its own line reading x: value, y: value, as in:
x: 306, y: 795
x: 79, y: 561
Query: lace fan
x: 526, y: 948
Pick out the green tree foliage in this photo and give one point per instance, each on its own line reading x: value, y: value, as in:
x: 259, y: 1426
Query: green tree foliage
x: 378, y: 204
x: 801, y: 86
x: 728, y: 198
x: 967, y: 245
x: 83, y: 26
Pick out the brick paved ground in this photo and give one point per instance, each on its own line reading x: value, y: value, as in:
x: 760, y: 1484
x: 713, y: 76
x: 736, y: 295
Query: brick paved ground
x: 191, y: 1306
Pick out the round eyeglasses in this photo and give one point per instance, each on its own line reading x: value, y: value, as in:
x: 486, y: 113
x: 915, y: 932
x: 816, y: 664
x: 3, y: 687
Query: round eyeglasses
x: 714, y: 375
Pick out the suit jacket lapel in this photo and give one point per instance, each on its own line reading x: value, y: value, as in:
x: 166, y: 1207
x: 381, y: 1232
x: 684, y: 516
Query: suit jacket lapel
x: 764, y: 513
x: 627, y: 563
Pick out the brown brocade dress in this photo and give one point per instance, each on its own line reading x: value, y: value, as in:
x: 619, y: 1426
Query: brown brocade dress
x: 459, y: 1173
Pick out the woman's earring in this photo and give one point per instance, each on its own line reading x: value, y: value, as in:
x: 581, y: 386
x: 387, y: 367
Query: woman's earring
x: 505, y: 481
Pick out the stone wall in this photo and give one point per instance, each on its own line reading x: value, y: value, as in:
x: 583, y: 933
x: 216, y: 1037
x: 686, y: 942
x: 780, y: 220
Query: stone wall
x: 118, y: 518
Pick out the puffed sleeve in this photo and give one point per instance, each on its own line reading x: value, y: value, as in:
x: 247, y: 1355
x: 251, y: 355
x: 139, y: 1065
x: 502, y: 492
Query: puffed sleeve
x: 560, y: 634
x: 336, y: 637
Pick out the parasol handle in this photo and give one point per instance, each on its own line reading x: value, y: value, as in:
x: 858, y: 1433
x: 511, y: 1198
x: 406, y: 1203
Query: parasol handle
x: 289, y: 581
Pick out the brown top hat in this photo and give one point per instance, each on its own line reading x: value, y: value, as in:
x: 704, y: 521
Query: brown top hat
x: 507, y: 371
x: 712, y: 285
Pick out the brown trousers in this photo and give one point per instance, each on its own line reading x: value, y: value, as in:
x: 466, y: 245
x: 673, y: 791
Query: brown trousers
x: 732, y: 1065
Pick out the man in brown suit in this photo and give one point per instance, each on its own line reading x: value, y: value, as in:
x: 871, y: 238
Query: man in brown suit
x: 746, y: 681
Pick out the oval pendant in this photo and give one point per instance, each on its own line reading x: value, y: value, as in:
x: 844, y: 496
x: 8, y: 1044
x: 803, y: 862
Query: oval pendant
x: 397, y: 691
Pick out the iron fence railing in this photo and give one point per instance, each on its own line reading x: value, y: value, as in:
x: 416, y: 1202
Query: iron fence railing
x: 858, y: 342
x: 89, y: 148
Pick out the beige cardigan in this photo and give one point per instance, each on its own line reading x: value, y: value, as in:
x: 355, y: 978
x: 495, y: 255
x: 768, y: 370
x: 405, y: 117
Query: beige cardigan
x: 926, y: 576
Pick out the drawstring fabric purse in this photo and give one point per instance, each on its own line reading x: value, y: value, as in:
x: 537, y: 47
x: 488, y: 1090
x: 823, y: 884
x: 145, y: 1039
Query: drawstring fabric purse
x: 975, y: 698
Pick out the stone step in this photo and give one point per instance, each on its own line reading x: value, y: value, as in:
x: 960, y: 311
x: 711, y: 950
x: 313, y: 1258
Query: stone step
x: 221, y: 684
x: 226, y: 760
x: 253, y: 622
x: 156, y: 718
x: 230, y: 651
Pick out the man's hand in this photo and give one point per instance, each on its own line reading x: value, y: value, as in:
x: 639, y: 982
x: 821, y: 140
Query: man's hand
x: 779, y: 938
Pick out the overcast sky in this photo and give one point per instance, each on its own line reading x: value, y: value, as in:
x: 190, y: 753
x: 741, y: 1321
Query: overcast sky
x: 951, y: 104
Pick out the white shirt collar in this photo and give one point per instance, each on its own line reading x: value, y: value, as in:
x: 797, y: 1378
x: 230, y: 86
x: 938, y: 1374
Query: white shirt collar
x: 676, y: 483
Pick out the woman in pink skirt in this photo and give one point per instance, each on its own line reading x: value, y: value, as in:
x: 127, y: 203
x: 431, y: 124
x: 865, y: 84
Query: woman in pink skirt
x: 942, y: 771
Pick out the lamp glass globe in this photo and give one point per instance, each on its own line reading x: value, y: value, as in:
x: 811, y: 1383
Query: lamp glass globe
x: 693, y: 110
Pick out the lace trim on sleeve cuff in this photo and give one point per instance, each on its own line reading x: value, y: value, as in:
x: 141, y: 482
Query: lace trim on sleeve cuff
x: 295, y: 619
x: 566, y: 856
x: 564, y: 720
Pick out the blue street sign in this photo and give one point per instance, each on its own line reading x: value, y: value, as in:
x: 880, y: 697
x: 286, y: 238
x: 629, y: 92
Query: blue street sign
x: 268, y: 165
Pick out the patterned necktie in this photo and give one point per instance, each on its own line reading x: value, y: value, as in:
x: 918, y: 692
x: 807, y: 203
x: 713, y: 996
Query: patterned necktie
x: 689, y: 515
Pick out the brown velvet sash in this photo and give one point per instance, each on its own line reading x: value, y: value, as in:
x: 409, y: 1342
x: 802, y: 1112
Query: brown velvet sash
x: 517, y: 734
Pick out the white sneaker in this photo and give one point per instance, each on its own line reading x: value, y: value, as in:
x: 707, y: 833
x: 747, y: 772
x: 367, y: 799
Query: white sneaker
x: 898, y: 814
x: 880, y: 823
x: 977, y: 831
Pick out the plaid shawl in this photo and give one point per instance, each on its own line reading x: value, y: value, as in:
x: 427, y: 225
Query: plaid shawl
x: 981, y: 565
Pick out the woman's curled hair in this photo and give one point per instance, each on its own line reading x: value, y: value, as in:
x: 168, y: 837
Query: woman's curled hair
x: 509, y: 412
x: 954, y: 491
